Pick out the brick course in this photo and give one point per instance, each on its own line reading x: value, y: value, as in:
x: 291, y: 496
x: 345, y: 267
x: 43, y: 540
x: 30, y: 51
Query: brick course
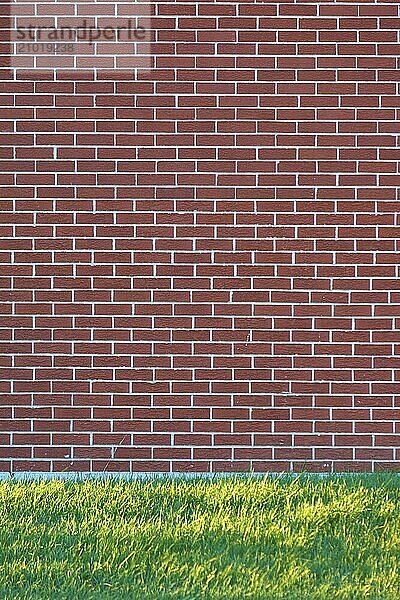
x: 200, y: 266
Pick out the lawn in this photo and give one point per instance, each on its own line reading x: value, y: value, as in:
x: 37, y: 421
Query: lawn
x: 235, y: 538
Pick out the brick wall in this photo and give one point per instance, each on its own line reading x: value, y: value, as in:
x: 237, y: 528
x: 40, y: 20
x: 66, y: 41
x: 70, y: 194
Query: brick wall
x: 199, y: 267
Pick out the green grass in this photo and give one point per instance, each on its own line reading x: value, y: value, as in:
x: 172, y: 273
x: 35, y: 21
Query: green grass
x: 231, y: 539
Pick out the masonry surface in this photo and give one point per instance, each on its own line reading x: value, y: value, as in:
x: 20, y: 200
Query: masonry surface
x: 199, y: 266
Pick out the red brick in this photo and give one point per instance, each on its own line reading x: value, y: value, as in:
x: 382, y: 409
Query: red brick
x: 199, y: 267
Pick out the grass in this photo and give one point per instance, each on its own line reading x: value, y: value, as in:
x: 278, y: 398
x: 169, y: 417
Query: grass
x: 230, y: 539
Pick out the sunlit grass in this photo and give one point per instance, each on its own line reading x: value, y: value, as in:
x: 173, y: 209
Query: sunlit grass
x: 231, y: 539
